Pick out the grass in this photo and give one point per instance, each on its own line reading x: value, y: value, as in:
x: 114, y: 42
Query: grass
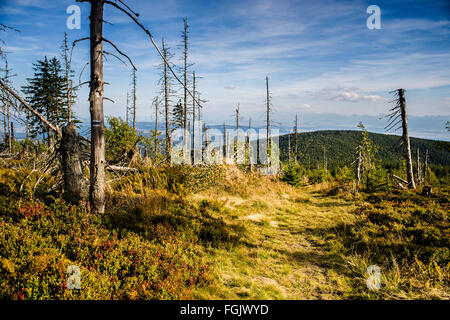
x: 304, y: 244
x: 221, y: 233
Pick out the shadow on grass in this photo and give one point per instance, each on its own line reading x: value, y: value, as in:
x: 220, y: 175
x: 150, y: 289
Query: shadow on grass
x: 161, y: 216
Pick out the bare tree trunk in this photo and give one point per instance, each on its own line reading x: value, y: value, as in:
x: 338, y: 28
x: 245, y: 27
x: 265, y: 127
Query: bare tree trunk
x: 425, y: 167
x: 127, y: 109
x: 8, y: 117
x: 205, y: 130
x: 185, y: 35
x: 419, y: 177
x: 134, y: 98
x: 250, y: 155
x: 199, y: 107
x: 268, y: 120
x: 358, y: 170
x: 237, y: 134
x: 156, y: 125
x: 11, y: 138
x: 193, y: 117
x: 97, y: 165
x: 8, y: 122
x: 166, y: 106
x: 27, y: 125
x: 406, y: 142
x: 5, y: 127
x: 289, y: 147
x: 225, y: 150
x: 68, y: 86
x: 296, y: 138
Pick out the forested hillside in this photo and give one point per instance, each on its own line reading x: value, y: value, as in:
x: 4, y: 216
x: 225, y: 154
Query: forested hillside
x: 340, y: 147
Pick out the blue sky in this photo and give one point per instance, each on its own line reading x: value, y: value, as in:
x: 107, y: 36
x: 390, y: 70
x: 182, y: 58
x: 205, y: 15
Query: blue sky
x: 319, y: 55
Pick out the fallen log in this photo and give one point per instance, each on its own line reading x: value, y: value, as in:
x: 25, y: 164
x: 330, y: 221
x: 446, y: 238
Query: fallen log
x: 117, y: 168
x: 404, y: 181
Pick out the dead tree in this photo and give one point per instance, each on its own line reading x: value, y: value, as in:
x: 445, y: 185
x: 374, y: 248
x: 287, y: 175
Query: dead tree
x: 134, y: 97
x: 358, y: 168
x: 7, y: 111
x: 289, y: 147
x: 237, y: 133
x: 41, y: 118
x: 127, y: 109
x: 225, y: 150
x: 205, y: 133
x: 166, y: 106
x: 425, y: 167
x: 268, y: 109
x: 185, y: 56
x: 156, y: 104
x: 96, y: 97
x: 75, y: 184
x: 98, y: 162
x: 249, y: 147
x: 296, y: 138
x: 199, y: 106
x: 193, y: 113
x: 68, y: 81
x: 134, y: 16
x: 185, y: 83
x: 397, y: 116
x: 419, y: 177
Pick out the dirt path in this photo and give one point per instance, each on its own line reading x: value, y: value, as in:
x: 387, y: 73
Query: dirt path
x: 283, y: 255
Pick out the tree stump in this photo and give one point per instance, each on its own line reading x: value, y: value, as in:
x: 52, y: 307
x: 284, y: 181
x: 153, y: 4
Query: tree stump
x: 75, y: 184
x: 427, y: 190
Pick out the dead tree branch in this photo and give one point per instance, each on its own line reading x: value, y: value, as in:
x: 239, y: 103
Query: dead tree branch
x: 55, y: 128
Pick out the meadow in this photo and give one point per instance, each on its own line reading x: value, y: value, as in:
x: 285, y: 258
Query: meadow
x: 220, y: 232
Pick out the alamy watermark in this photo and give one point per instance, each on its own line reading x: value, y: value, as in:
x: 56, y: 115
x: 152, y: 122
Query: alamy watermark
x: 374, y: 20
x: 74, y: 279
x: 74, y: 20
x: 373, y: 282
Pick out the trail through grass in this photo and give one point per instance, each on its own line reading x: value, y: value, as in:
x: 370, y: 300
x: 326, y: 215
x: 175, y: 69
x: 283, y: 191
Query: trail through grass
x: 278, y: 258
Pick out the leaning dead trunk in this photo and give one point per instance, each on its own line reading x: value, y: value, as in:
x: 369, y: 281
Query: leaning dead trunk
x: 75, y: 184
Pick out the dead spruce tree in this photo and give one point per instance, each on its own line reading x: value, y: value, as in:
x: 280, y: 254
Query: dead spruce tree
x: 133, y: 81
x: 397, y: 116
x: 7, y: 110
x: 75, y: 184
x: 127, y: 109
x: 166, y: 89
x: 186, y: 65
x: 68, y: 72
x: 96, y: 29
x: 296, y: 138
x: 419, y: 177
x: 268, y: 111
x: 96, y: 97
x: 155, y: 103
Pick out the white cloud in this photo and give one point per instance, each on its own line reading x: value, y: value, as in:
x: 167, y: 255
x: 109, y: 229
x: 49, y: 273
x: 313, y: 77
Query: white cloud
x: 345, y: 94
